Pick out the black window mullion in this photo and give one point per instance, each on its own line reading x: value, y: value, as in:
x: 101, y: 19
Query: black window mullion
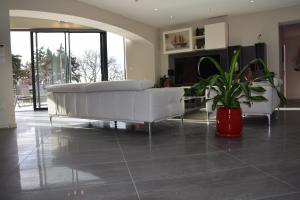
x: 37, y: 71
x: 66, y: 61
x: 103, y: 49
x: 33, y: 70
x: 69, y: 56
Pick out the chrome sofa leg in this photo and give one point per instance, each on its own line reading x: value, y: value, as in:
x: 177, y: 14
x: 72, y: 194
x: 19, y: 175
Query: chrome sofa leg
x: 149, y: 130
x: 150, y: 136
x: 269, y: 119
x: 182, y: 120
x: 51, y: 120
x: 207, y: 117
x: 277, y: 114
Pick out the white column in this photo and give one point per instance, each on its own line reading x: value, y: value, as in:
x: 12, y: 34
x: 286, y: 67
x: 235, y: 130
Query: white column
x: 7, y: 114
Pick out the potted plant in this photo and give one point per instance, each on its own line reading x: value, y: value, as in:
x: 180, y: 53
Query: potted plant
x: 231, y: 91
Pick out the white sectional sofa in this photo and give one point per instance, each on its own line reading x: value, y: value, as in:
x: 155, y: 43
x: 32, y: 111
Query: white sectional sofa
x: 264, y: 108
x: 128, y: 101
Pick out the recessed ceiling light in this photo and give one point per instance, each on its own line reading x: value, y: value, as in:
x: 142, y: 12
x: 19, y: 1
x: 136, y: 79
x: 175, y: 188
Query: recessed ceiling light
x: 155, y: 9
x: 252, y: 1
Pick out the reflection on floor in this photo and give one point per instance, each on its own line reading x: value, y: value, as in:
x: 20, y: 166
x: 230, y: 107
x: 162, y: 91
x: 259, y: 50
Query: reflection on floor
x: 74, y: 160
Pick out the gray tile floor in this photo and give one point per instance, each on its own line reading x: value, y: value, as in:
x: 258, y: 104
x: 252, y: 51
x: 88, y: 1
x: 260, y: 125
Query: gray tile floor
x: 71, y: 160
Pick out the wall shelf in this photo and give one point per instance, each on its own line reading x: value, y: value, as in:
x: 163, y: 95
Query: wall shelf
x: 200, y: 49
x: 199, y: 37
x: 210, y: 37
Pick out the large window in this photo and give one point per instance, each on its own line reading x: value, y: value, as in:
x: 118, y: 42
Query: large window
x: 65, y: 57
x: 116, y: 58
x: 85, y: 57
x: 21, y: 61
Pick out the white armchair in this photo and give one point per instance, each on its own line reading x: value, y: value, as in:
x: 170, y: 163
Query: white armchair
x: 265, y: 108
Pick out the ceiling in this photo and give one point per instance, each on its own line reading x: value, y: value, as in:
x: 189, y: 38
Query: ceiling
x: 172, y: 12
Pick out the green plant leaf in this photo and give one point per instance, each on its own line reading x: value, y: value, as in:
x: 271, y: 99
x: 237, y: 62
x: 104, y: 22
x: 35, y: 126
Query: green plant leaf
x: 237, y: 92
x: 246, y: 67
x: 235, y: 104
x: 232, y: 66
x: 258, y: 89
x: 216, y: 100
x: 258, y: 98
x: 245, y: 89
x: 282, y: 98
x: 267, y: 72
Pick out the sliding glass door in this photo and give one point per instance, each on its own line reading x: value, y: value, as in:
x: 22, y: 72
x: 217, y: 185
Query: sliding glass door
x: 66, y: 56
x: 50, y: 60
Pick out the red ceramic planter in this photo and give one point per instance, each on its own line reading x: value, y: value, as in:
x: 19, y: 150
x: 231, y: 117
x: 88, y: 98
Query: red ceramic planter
x: 229, y: 122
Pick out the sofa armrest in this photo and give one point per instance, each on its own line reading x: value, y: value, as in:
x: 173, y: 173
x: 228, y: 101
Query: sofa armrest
x: 159, y: 103
x: 264, y: 107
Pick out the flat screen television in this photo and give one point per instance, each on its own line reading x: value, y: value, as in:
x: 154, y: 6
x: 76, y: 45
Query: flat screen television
x: 187, y: 73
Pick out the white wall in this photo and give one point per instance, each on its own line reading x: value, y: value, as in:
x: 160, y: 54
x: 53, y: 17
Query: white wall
x: 28, y: 23
x: 7, y: 115
x: 244, y: 29
x: 140, y: 60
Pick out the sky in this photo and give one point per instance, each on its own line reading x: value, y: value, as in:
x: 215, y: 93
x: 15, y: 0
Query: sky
x: 20, y: 44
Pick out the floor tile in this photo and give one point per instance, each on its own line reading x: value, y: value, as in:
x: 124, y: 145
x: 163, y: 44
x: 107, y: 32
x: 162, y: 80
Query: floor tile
x: 66, y: 177
x: 286, y: 170
x: 245, y: 183
x: 165, y: 151
x: 294, y: 196
x: 73, y: 160
x: 182, y: 166
x: 59, y: 158
x: 106, y: 192
x: 266, y: 154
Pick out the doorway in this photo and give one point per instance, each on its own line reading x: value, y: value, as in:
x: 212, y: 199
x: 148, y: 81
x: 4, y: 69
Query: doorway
x: 43, y: 57
x: 290, y: 62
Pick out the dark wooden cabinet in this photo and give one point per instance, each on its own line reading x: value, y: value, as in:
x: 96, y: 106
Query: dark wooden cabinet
x: 185, y: 65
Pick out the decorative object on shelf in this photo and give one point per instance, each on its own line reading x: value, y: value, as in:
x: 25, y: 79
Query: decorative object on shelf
x: 199, y: 39
x: 177, y: 41
x: 197, y: 31
x: 259, y: 38
x: 171, y: 74
x: 231, y: 91
x: 165, y: 81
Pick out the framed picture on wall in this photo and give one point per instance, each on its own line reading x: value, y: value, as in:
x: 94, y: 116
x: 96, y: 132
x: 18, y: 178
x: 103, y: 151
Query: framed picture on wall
x: 177, y: 41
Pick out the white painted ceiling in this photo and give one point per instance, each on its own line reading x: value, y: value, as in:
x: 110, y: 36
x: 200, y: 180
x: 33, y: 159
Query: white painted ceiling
x: 184, y: 10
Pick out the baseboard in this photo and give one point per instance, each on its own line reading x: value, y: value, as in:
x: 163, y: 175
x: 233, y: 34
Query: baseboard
x: 14, y: 125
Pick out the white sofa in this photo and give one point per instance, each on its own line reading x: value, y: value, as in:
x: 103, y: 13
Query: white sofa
x: 128, y: 101
x: 264, y: 108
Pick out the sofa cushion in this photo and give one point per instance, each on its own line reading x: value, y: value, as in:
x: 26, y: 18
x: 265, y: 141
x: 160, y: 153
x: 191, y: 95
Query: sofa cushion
x: 129, y: 85
x: 71, y: 87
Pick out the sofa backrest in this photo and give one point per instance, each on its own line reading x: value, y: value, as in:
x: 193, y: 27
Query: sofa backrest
x: 128, y: 85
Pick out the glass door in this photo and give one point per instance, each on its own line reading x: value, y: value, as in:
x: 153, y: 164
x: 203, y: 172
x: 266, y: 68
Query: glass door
x: 50, y: 64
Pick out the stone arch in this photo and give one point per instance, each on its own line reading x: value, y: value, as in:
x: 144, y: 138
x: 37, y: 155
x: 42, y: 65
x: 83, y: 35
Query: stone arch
x: 80, y: 21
